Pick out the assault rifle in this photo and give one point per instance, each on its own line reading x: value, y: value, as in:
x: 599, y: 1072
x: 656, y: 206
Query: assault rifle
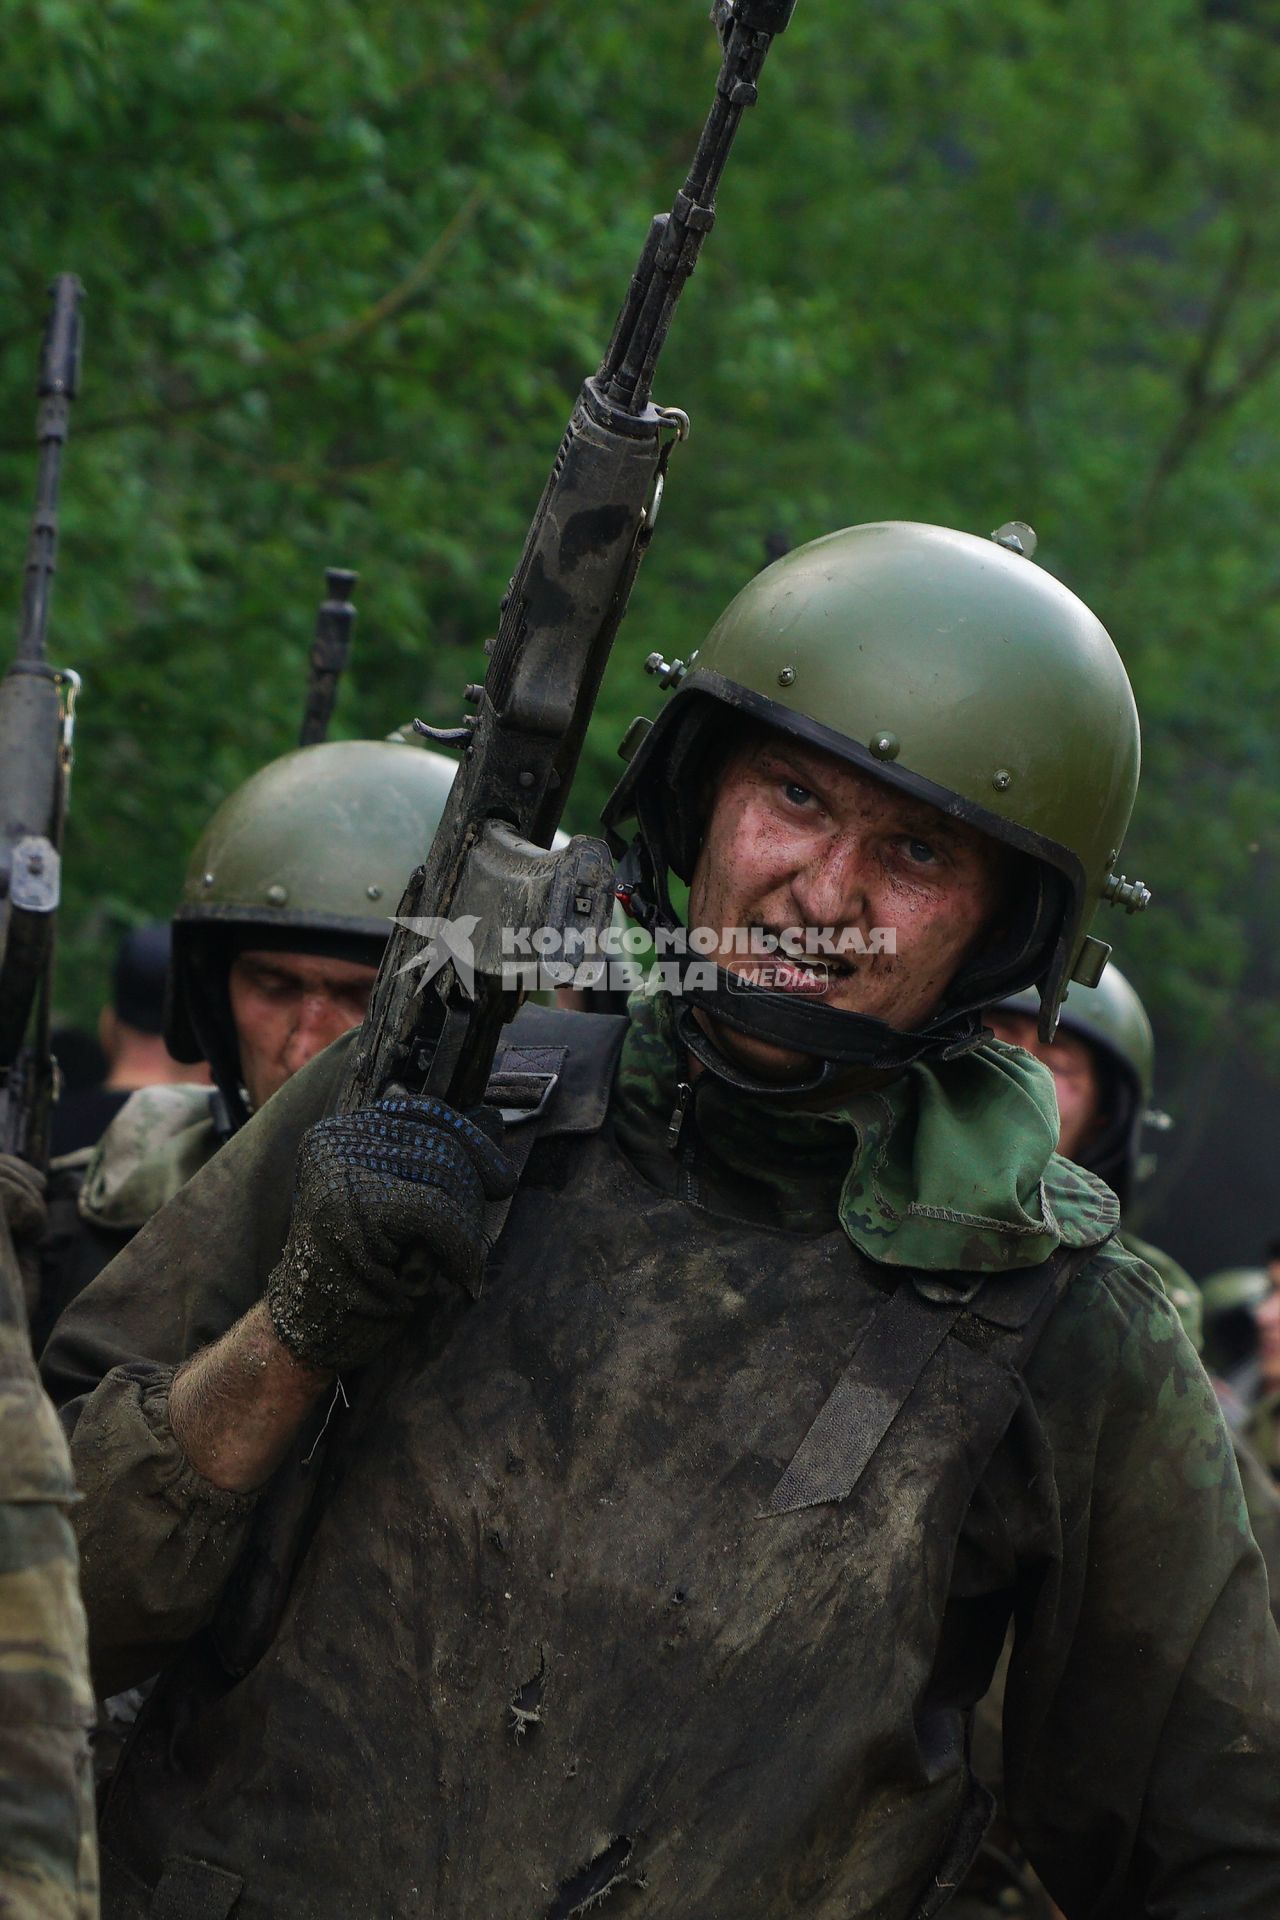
x: 488, y: 860
x: 335, y: 623
x: 519, y: 748
x: 37, y: 718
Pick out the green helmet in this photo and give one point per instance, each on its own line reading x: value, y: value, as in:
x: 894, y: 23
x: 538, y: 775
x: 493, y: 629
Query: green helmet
x: 311, y: 854
x: 1113, y: 1020
x: 949, y: 666
x: 1231, y: 1299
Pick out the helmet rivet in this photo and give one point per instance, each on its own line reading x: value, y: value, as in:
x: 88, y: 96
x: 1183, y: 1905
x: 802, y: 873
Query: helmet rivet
x: 885, y: 746
x: 374, y: 893
x: 787, y: 677
x: 206, y: 880
x: 1001, y: 779
x: 277, y: 895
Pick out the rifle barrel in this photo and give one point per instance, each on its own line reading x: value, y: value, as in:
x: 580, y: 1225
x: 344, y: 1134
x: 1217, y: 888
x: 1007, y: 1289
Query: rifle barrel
x: 335, y: 624
x: 36, y: 706
x: 56, y: 387
x: 675, y: 240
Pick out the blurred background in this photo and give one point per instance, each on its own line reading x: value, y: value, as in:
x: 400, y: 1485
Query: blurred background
x: 346, y: 265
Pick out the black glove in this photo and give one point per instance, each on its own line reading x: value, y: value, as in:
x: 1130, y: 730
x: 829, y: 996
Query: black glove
x: 386, y: 1199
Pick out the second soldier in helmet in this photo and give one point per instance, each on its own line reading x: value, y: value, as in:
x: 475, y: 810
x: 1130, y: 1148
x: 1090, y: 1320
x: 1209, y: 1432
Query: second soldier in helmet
x: 285, y: 910
x: 1102, y: 1059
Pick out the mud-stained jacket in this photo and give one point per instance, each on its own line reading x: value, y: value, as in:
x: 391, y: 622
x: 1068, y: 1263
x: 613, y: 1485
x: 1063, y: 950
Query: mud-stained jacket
x: 48, y: 1854
x: 554, y: 1642
x: 1001, y: 1887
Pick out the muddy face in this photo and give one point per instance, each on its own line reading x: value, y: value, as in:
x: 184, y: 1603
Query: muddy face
x: 797, y: 839
x: 287, y: 1008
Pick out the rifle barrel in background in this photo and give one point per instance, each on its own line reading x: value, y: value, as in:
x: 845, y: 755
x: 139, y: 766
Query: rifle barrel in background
x: 37, y: 704
x: 335, y: 624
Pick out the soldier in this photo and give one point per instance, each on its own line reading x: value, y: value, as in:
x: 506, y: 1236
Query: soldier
x: 285, y: 910
x: 48, y: 1849
x: 662, y: 1572
x: 1102, y: 1059
x: 1230, y: 1300
x: 1242, y: 1327
x: 131, y: 1032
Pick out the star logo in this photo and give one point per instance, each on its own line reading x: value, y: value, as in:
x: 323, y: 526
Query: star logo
x: 448, y: 943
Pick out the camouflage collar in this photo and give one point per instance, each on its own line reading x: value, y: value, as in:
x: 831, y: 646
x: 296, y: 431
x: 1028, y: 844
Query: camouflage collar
x: 957, y: 1169
x: 948, y: 1167
x: 161, y: 1136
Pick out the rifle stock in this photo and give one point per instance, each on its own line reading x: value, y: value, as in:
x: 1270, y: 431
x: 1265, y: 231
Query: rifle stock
x: 567, y: 598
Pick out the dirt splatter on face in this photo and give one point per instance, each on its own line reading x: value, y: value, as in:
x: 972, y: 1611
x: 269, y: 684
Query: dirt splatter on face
x: 288, y: 1007
x: 796, y: 838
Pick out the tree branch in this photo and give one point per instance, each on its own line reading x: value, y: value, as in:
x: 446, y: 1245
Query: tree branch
x: 287, y: 360
x: 1203, y: 404
x: 337, y: 339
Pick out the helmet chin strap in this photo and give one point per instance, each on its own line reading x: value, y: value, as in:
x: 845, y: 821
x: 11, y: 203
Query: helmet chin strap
x: 834, y: 1037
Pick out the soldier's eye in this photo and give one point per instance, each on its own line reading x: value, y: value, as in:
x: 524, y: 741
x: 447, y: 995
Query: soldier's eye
x: 798, y: 796
x: 921, y: 853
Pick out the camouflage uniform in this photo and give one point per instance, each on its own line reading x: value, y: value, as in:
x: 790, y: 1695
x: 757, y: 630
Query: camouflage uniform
x: 1176, y: 1281
x: 546, y: 1647
x: 100, y: 1196
x: 1113, y: 1021
x: 48, y: 1852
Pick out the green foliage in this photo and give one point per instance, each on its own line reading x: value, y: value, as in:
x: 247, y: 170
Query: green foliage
x: 347, y: 264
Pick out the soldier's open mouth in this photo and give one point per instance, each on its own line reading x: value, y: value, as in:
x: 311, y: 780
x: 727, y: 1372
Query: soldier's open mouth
x: 813, y: 977
x: 802, y: 976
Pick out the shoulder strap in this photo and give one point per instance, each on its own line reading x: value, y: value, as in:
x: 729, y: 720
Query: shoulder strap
x: 557, y: 1067
x: 553, y: 1076
x: 1007, y: 1311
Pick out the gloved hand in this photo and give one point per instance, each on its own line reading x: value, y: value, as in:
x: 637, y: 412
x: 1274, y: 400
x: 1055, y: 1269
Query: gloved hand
x: 385, y: 1200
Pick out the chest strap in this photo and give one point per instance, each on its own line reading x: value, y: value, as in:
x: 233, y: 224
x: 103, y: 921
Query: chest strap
x: 1008, y: 1311
x: 553, y: 1076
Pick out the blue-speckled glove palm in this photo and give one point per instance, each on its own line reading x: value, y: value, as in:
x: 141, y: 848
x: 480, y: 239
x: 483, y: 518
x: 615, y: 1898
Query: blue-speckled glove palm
x: 386, y: 1199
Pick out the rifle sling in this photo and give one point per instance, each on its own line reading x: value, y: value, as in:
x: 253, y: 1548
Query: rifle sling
x: 543, y: 1090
